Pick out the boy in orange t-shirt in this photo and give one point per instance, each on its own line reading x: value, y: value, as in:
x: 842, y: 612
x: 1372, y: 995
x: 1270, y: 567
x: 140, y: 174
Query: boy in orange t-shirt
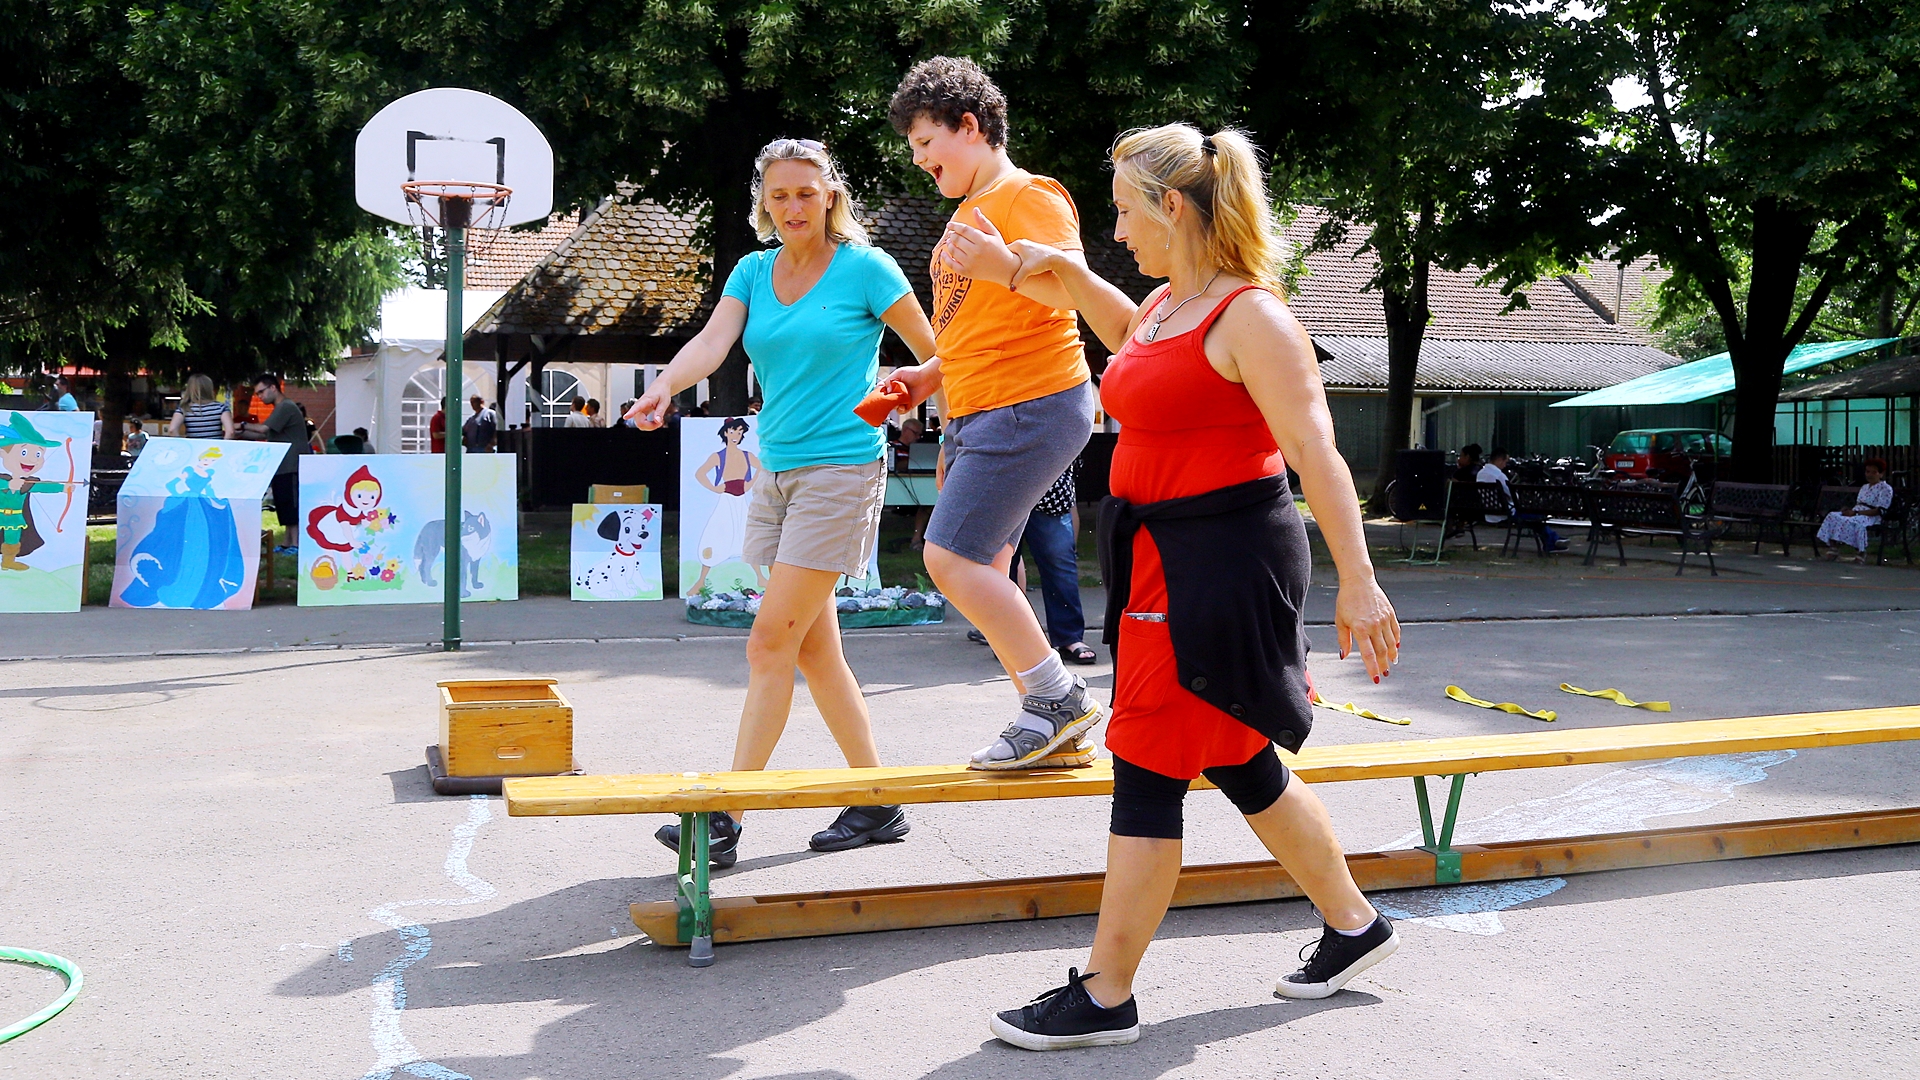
x: 1020, y: 398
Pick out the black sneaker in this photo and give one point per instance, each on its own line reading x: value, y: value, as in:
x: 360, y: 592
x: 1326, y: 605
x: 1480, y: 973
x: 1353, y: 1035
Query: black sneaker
x: 723, y: 839
x: 858, y: 825
x: 1067, y: 1017
x: 1337, y: 958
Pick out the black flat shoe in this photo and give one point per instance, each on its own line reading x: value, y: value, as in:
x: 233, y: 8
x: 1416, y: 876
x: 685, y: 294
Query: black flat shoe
x: 976, y: 637
x: 1066, y: 1018
x: 859, y: 825
x: 723, y: 839
x: 1079, y: 653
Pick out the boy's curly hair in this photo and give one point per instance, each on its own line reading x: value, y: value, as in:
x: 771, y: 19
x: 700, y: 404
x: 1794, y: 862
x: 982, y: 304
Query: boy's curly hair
x: 945, y: 89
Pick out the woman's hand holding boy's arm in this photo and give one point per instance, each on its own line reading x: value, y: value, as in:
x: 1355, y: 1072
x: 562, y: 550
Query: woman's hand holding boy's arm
x: 1107, y: 310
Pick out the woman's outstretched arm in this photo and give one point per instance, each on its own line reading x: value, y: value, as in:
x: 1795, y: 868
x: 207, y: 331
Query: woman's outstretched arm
x: 696, y: 360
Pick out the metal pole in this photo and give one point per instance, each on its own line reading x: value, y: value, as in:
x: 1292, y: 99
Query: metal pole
x: 454, y: 570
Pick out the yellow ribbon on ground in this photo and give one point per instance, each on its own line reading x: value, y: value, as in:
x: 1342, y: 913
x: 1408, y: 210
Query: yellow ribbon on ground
x: 1465, y: 698
x: 1619, y: 698
x: 1350, y: 707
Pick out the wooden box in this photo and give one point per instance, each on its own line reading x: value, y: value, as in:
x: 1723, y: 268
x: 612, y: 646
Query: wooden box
x: 617, y: 494
x: 505, y: 727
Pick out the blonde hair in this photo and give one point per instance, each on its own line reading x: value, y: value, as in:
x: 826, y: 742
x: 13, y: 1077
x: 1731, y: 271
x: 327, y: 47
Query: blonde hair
x: 1220, y: 177
x: 842, y: 223
x: 199, y: 390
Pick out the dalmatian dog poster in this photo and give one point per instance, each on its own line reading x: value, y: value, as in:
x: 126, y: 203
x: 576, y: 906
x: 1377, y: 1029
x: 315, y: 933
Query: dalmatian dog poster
x: 616, y: 552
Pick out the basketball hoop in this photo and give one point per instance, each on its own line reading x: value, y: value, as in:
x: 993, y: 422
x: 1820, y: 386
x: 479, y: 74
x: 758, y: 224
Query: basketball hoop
x: 450, y: 132
x: 449, y: 204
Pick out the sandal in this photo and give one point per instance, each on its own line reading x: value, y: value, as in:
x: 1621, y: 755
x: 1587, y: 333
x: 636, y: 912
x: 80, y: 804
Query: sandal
x: 976, y: 637
x: 1079, y: 653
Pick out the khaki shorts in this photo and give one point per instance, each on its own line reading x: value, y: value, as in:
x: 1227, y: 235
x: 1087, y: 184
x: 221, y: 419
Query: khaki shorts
x: 821, y: 517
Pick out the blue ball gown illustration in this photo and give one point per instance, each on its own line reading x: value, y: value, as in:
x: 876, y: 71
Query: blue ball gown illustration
x: 192, y: 557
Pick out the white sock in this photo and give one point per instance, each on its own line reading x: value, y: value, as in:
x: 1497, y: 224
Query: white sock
x: 1357, y: 933
x: 1095, y: 1000
x: 1047, y: 680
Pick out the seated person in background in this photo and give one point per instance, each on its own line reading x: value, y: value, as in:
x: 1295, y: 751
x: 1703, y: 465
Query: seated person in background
x: 1850, y: 526
x: 136, y: 437
x: 1466, y: 468
x: 1495, y: 472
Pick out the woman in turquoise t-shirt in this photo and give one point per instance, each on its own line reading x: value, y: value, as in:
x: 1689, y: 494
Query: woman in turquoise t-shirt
x: 811, y: 312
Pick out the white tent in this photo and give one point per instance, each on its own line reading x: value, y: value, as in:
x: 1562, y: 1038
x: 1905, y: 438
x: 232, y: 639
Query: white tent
x: 394, y: 391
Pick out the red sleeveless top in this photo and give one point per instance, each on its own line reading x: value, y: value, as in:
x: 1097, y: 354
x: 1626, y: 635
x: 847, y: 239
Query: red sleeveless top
x: 1184, y: 430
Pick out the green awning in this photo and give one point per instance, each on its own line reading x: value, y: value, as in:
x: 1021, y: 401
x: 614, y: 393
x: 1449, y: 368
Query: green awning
x: 1710, y: 377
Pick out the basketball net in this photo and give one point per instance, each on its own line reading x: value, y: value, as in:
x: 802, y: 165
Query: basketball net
x: 437, y: 205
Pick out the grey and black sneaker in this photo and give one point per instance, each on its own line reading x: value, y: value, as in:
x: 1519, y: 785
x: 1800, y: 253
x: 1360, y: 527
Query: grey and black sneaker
x: 859, y: 825
x: 1067, y: 1017
x: 723, y: 839
x: 1336, y: 958
x: 1064, y: 720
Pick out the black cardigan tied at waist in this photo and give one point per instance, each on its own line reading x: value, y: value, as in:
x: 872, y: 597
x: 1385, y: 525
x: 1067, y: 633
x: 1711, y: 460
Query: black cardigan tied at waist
x: 1237, y: 565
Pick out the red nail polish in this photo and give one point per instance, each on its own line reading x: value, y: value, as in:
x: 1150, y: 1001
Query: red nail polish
x: 1376, y: 679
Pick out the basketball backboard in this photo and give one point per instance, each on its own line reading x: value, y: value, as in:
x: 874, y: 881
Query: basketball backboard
x: 455, y: 136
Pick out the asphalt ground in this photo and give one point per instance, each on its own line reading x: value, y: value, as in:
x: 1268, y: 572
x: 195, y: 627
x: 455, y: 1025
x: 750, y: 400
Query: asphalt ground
x: 239, y: 845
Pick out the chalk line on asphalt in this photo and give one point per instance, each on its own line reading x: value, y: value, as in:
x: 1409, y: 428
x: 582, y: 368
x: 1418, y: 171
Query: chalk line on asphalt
x: 395, y: 1052
x: 1621, y: 800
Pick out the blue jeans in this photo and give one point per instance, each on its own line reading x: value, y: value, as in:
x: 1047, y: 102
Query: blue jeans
x: 1049, y: 537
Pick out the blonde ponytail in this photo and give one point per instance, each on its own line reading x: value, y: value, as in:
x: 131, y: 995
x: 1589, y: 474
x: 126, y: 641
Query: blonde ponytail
x: 1220, y: 177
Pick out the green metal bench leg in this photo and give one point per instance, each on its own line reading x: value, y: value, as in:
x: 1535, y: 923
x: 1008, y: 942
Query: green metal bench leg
x: 1446, y: 861
x: 696, y: 905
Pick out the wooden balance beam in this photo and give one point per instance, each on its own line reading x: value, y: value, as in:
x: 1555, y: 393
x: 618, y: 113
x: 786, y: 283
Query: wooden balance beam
x: 694, y: 919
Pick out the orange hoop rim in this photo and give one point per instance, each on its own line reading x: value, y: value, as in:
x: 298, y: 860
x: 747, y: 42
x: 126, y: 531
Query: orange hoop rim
x: 470, y: 190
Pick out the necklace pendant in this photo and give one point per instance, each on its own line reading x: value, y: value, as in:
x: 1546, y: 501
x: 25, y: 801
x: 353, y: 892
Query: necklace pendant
x: 1153, y: 331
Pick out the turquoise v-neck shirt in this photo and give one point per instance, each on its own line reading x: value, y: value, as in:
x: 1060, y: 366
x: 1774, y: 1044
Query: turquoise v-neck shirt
x: 818, y: 357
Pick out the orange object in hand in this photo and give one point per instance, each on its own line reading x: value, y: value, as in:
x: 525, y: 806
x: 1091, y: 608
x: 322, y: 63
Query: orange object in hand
x: 880, y: 404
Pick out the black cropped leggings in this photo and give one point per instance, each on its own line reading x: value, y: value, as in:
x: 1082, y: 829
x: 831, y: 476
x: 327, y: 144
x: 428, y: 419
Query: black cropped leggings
x: 1147, y: 803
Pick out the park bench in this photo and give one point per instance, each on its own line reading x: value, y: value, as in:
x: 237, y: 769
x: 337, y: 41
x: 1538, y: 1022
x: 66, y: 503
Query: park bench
x: 1896, y: 523
x: 694, y: 919
x: 1466, y: 511
x: 1827, y: 499
x: 1623, y: 513
x: 1537, y: 507
x: 1763, y: 506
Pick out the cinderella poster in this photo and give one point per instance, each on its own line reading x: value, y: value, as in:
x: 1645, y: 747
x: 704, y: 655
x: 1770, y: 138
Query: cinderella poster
x: 189, y: 524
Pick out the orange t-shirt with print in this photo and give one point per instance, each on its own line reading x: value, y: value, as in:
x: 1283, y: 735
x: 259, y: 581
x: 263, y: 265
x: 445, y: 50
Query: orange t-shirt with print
x: 996, y: 347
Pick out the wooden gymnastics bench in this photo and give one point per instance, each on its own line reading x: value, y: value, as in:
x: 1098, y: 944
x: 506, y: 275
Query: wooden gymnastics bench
x: 695, y: 920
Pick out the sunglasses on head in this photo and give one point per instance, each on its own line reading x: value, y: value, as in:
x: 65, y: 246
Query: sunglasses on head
x: 778, y: 146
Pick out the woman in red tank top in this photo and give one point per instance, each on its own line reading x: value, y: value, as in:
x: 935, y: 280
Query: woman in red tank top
x: 1217, y: 391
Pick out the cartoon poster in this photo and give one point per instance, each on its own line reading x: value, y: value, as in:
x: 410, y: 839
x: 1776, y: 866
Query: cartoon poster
x: 719, y: 461
x: 616, y: 552
x: 188, y: 534
x: 45, y: 459
x: 374, y: 529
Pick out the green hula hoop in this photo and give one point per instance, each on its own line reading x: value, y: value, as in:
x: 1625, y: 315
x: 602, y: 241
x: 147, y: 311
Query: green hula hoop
x: 47, y: 960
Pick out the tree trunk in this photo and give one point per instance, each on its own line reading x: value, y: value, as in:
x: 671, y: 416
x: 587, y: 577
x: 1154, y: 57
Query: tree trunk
x: 1407, y: 316
x: 730, y: 136
x: 732, y: 239
x: 116, y: 393
x: 1759, y: 351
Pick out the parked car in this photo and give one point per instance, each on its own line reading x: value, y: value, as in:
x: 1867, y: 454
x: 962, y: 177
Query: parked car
x: 1668, y: 454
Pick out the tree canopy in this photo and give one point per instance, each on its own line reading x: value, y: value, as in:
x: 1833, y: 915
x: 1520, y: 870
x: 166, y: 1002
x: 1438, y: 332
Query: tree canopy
x: 1386, y: 114
x: 1765, y: 152
x: 180, y: 174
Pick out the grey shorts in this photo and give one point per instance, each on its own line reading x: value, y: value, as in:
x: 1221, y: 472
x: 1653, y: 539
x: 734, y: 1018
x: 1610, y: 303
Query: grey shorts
x: 999, y: 463
x: 820, y: 517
